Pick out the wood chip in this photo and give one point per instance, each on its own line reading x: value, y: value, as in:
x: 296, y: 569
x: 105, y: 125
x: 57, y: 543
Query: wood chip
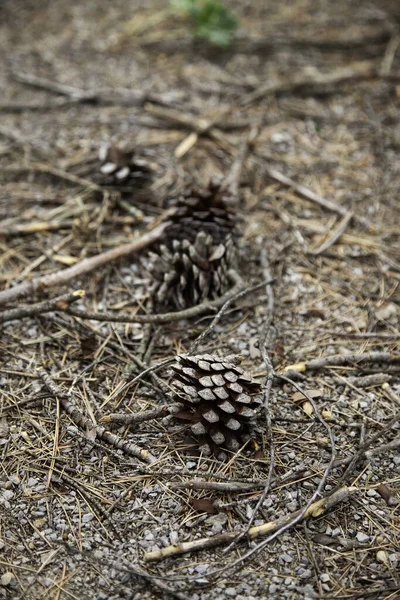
x: 205, y: 505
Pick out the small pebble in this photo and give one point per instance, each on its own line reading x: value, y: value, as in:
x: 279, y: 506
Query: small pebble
x: 306, y: 574
x: 7, y: 578
x: 230, y: 591
x: 173, y: 537
x: 87, y: 517
x: 362, y: 537
x: 383, y: 557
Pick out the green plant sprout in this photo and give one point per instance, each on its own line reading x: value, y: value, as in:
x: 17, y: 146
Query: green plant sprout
x: 211, y: 20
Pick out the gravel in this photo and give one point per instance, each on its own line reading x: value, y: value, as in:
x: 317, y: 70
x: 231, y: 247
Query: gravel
x: 76, y: 513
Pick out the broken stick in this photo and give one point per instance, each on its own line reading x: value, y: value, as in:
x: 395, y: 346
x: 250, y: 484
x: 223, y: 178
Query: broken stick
x: 28, y: 288
x: 314, y: 510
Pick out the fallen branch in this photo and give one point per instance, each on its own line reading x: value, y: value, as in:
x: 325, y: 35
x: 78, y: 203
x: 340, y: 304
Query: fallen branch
x: 367, y: 448
x: 217, y: 486
x: 104, y: 97
x: 310, y: 82
x: 156, y: 413
x: 34, y: 227
x: 87, y: 424
x: 340, y: 360
x: 314, y: 510
x: 28, y: 288
x: 59, y: 303
x: 232, y: 181
x: 299, y: 474
x: 393, y: 445
x: 362, y: 382
x: 187, y: 313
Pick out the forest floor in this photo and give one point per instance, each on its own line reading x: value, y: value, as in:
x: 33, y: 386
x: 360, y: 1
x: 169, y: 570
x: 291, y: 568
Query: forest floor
x: 307, y: 103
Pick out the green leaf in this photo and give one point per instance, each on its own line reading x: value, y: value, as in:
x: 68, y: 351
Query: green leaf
x: 211, y: 20
x: 184, y: 6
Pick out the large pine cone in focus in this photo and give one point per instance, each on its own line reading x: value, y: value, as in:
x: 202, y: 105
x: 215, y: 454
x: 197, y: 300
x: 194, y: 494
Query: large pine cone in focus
x: 222, y: 400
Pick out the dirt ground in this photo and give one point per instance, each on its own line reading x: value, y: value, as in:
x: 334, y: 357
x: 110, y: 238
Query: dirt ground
x: 311, y: 90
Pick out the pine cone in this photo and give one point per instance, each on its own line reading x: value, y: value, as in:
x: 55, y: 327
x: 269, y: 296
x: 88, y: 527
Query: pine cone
x: 203, y: 210
x: 119, y: 166
x: 222, y: 399
x: 199, y: 250
x: 188, y: 273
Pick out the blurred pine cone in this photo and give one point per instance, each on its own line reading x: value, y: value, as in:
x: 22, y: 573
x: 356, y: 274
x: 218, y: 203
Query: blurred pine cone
x: 199, y: 250
x: 222, y: 400
x: 206, y: 210
x: 188, y: 273
x: 119, y: 166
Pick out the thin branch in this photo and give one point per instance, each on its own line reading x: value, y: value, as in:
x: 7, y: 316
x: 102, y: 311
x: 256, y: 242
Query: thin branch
x: 148, y: 415
x: 232, y: 181
x: 187, y: 313
x: 104, y: 97
x: 34, y: 227
x: 28, y: 288
x: 318, y: 80
x: 216, y: 486
x: 335, y: 236
x: 366, y: 381
x: 265, y: 331
x: 368, y: 446
x: 54, y: 304
x: 87, y: 424
x: 307, y: 193
x: 222, y: 311
x: 314, y: 510
x: 336, y: 360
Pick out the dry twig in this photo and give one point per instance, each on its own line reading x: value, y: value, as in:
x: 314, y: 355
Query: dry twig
x: 315, y: 509
x: 155, y: 413
x: 336, y: 360
x: 54, y: 304
x: 87, y: 424
x: 187, y: 313
x: 28, y: 288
